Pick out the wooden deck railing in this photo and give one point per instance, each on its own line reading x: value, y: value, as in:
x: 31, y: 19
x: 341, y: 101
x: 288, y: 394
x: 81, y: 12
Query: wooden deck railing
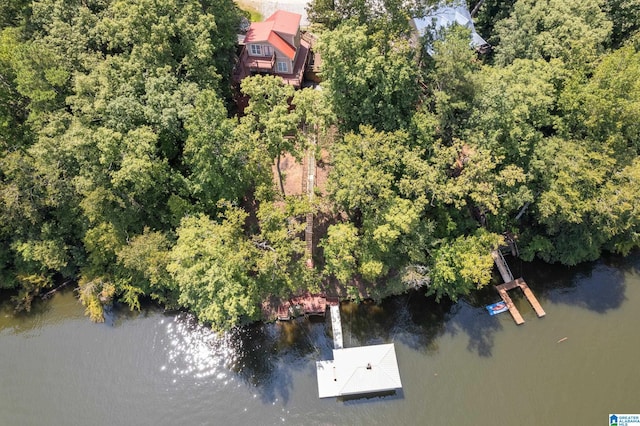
x: 258, y: 63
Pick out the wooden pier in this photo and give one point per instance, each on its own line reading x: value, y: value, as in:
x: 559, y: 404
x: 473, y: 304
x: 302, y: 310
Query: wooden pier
x: 510, y: 284
x: 515, y: 313
x: 504, y: 288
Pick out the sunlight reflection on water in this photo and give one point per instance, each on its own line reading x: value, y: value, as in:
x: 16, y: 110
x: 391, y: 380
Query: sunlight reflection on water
x: 195, y: 351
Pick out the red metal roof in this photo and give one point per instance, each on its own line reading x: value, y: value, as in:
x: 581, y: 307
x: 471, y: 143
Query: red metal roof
x: 276, y: 41
x: 258, y: 31
x: 285, y: 22
x: 267, y: 31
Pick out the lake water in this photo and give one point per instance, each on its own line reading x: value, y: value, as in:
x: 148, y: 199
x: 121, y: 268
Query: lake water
x: 457, y: 364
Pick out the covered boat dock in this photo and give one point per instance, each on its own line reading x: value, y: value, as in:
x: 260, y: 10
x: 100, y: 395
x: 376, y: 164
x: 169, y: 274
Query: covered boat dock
x: 359, y: 371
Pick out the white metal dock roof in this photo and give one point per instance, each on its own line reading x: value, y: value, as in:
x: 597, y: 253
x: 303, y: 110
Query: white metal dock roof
x: 361, y: 370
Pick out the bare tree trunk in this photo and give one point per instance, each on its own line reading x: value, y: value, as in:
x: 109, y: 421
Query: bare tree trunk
x: 522, y: 210
x: 280, y: 176
x: 476, y: 8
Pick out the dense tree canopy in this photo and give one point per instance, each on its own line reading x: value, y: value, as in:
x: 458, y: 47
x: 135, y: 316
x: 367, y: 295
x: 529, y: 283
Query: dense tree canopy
x: 371, y: 78
x: 574, y: 31
x: 125, y: 168
x: 212, y: 266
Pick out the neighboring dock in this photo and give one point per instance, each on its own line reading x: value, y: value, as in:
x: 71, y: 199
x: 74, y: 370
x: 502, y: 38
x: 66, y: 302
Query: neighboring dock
x: 502, y: 290
x: 531, y: 298
x: 511, y: 284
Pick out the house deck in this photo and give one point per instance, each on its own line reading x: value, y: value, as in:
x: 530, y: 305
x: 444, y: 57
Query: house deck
x: 258, y: 63
x: 266, y: 66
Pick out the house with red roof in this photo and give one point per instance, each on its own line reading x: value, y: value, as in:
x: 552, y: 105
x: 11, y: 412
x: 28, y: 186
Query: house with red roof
x: 274, y: 46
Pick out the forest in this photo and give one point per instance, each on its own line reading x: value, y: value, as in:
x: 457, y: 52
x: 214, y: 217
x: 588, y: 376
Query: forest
x: 126, y: 168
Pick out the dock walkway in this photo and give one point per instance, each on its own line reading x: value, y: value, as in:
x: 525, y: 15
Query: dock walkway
x: 336, y: 326
x: 505, y: 272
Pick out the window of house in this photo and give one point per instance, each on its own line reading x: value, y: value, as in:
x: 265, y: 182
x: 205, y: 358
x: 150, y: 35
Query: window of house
x: 255, y: 49
x: 282, y: 67
x: 267, y: 50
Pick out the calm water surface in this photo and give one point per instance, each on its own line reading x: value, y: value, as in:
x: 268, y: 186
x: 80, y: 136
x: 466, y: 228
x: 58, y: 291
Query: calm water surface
x: 457, y: 364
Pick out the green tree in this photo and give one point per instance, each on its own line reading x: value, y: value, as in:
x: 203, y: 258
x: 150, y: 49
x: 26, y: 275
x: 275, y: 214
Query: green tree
x: 105, y: 108
x: 388, y: 15
x: 570, y: 30
x: 371, y: 79
x: 12, y: 12
x: 514, y: 108
x: 616, y: 206
x: 625, y: 17
x: 454, y: 80
x: 341, y: 249
x: 314, y: 115
x: 606, y: 109
x: 463, y: 264
x: 142, y: 269
x: 366, y: 167
x: 216, y: 161
x: 571, y: 177
x: 268, y: 124
x: 13, y: 106
x: 366, y: 183
x: 213, y: 265
x: 41, y: 76
x: 37, y: 215
x: 280, y: 250
x: 490, y: 12
x: 195, y: 38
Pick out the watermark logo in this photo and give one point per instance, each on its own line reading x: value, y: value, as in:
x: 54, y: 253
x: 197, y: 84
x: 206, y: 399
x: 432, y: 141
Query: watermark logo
x: 624, y: 419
